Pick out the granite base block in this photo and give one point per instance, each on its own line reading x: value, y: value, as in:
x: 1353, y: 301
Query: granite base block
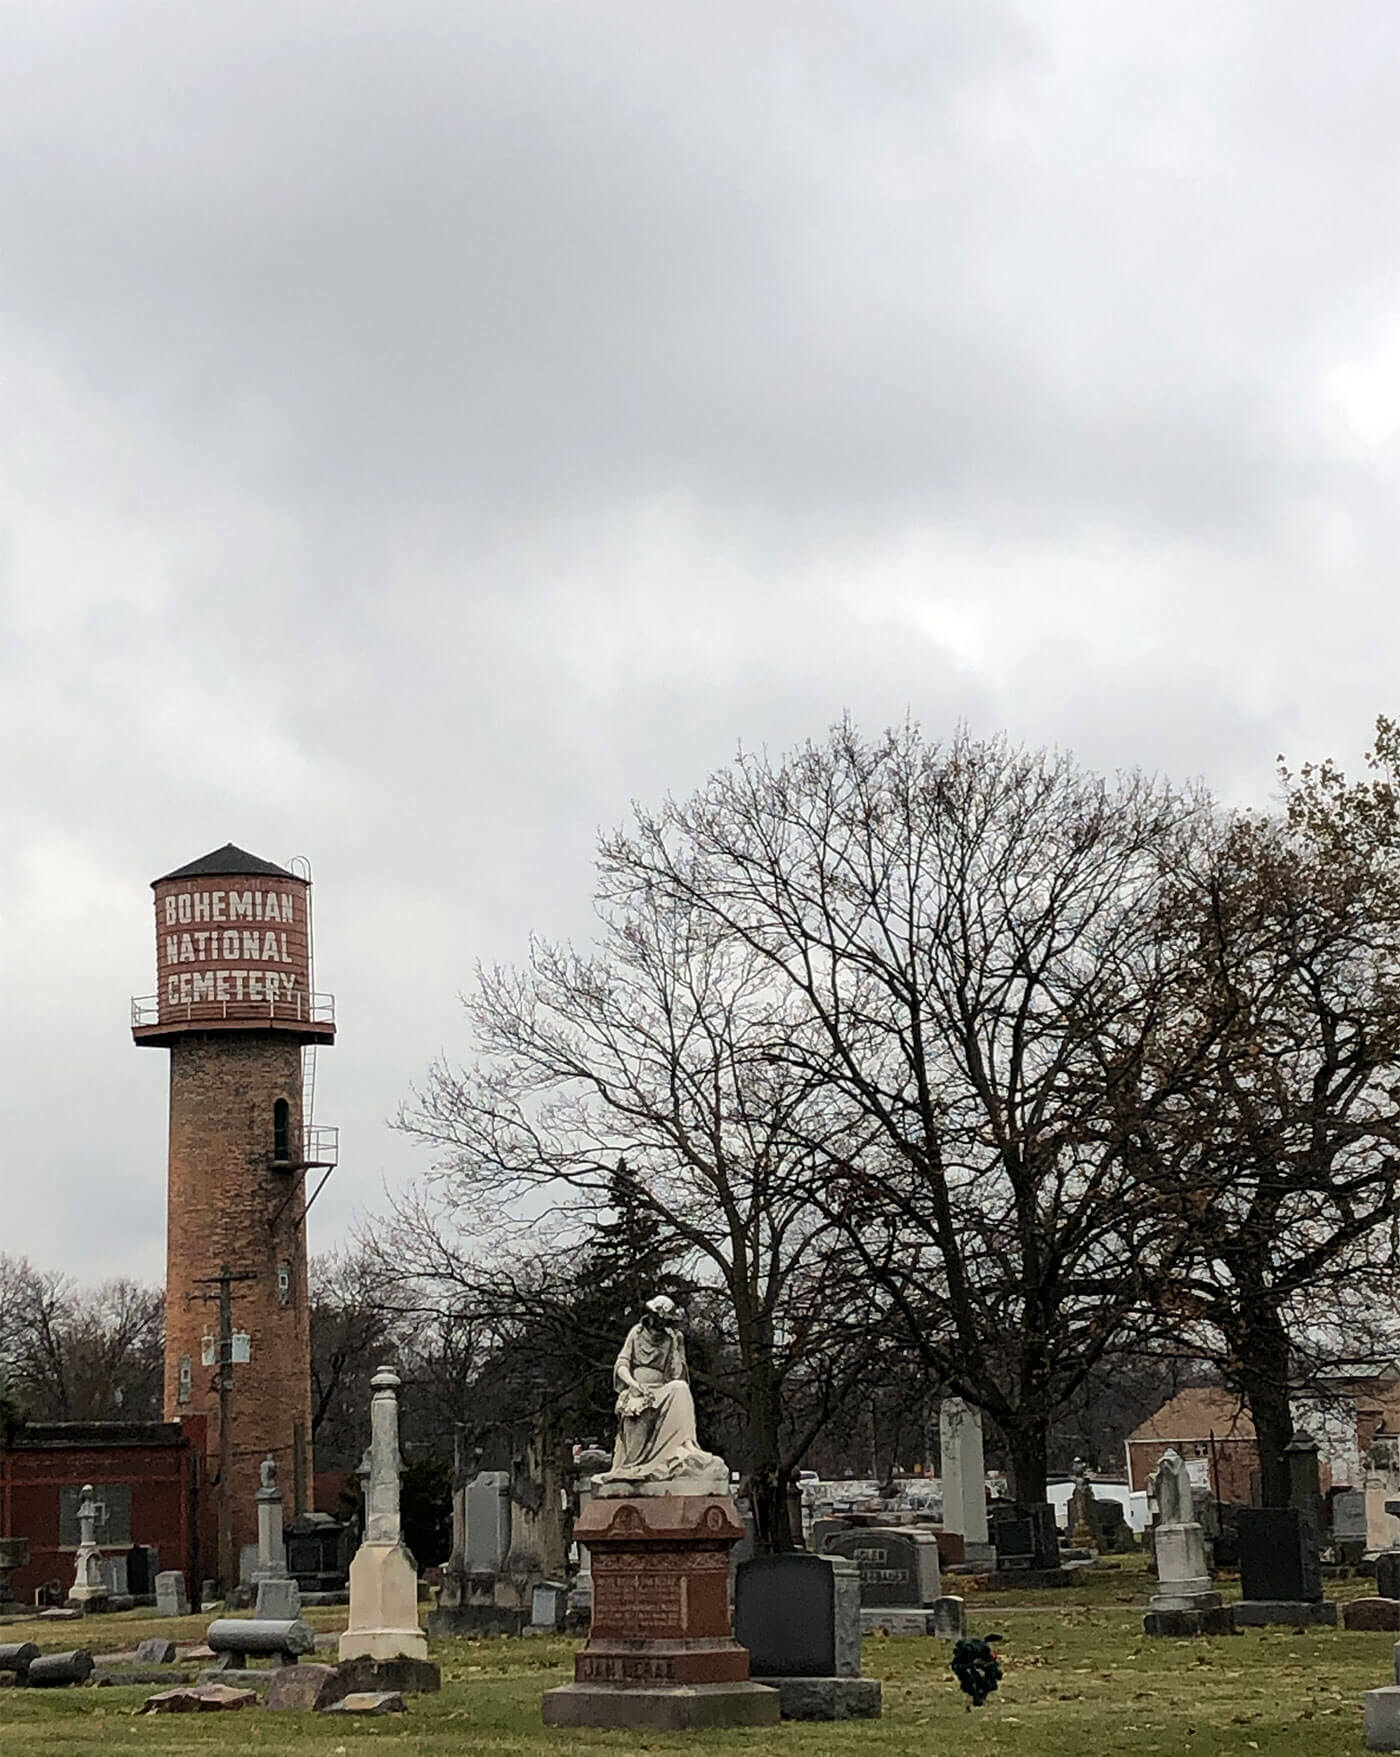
x: 1302, y: 1613
x: 828, y: 1698
x: 1383, y: 1718
x: 446, y: 1624
x: 1215, y: 1620
x: 675, y: 1708
x: 302, y: 1688
x: 896, y: 1622
x: 410, y: 1677
x: 1372, y: 1613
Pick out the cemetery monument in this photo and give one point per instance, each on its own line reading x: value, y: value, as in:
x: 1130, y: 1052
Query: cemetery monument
x: 383, y: 1577
x: 1185, y: 1603
x: 661, y: 1650
x: 964, y: 1480
x: 89, y: 1588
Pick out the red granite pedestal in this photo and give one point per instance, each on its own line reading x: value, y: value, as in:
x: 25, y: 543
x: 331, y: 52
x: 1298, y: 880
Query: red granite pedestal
x: 661, y: 1650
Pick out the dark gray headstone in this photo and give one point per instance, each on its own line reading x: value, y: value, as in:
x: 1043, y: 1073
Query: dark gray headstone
x: 142, y: 1566
x: 897, y: 1567
x: 1025, y: 1536
x: 799, y: 1616
x: 1278, y: 1554
x: 1388, y: 1574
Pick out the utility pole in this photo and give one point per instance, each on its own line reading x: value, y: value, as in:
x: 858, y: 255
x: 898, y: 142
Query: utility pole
x: 224, y: 1280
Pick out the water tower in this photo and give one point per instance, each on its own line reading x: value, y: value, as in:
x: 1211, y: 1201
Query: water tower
x: 236, y: 1008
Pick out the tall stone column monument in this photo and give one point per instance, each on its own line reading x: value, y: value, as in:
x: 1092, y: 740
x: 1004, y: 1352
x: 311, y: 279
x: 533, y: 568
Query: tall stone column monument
x: 965, y: 1480
x: 89, y: 1588
x: 383, y: 1577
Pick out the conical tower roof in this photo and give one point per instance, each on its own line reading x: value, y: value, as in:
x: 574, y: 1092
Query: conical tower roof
x: 227, y: 862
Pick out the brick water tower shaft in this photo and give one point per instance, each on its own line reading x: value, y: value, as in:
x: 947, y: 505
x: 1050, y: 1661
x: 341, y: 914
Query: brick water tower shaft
x: 236, y: 1010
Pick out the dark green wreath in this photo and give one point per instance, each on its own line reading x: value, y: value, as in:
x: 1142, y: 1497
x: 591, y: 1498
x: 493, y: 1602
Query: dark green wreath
x: 977, y: 1668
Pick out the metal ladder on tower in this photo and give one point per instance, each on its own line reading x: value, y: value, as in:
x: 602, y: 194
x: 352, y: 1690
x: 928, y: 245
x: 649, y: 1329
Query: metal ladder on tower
x: 301, y: 866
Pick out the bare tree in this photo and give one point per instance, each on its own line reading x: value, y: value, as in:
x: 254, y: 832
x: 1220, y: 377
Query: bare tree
x: 74, y: 1354
x: 1281, y: 1152
x: 955, y: 944
x: 667, y: 1049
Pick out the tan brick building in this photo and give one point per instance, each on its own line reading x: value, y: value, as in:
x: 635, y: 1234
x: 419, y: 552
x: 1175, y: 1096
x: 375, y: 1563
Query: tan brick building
x: 1206, y: 1426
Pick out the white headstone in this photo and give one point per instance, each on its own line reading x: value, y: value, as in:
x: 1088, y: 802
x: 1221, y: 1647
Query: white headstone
x: 171, y: 1599
x: 1179, y: 1545
x: 964, y: 1477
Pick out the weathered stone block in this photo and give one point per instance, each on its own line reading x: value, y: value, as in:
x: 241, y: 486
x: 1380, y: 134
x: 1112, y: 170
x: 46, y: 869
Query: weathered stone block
x: 156, y: 1651
x: 1257, y: 1613
x: 674, y: 1708
x: 828, y: 1698
x: 1372, y: 1613
x: 199, y: 1699
x: 369, y: 1702
x: 383, y: 1605
x: 301, y: 1688
x: 1213, y: 1620
x: 1383, y: 1718
x: 799, y: 1616
x: 171, y: 1597
x: 410, y: 1677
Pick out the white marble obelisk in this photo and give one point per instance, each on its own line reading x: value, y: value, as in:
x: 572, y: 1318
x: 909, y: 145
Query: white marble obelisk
x: 383, y: 1578
x: 964, y: 1479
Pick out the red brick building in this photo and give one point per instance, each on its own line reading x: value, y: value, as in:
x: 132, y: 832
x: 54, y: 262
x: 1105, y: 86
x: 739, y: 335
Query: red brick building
x: 1206, y: 1426
x: 149, y: 1478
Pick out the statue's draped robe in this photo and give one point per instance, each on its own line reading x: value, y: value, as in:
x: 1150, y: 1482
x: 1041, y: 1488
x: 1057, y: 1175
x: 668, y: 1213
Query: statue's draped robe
x: 654, y: 1444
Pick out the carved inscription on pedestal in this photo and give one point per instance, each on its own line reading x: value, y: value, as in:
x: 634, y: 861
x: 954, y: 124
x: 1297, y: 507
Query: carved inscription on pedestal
x: 623, y: 1668
x: 638, y: 1595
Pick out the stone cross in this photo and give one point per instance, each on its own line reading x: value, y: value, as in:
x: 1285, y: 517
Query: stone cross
x: 385, y: 1460
x: 88, y: 1581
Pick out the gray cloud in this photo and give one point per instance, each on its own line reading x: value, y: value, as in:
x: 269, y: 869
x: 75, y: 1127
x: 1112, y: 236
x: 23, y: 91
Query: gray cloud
x: 424, y: 428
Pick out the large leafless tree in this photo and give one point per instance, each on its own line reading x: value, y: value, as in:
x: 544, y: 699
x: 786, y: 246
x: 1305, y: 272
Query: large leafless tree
x: 666, y: 1048
x: 964, y: 939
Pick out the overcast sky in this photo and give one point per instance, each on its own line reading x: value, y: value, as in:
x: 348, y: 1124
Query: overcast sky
x: 426, y: 427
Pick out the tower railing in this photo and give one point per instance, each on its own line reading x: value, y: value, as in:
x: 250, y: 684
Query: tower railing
x: 321, y: 1145
x: 150, y: 1009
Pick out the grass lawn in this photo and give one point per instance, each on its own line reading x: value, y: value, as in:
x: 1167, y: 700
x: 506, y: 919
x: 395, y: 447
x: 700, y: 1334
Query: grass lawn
x: 1080, y: 1680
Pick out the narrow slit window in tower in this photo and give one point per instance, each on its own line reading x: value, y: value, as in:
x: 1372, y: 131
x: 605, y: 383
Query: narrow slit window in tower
x: 281, y: 1131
